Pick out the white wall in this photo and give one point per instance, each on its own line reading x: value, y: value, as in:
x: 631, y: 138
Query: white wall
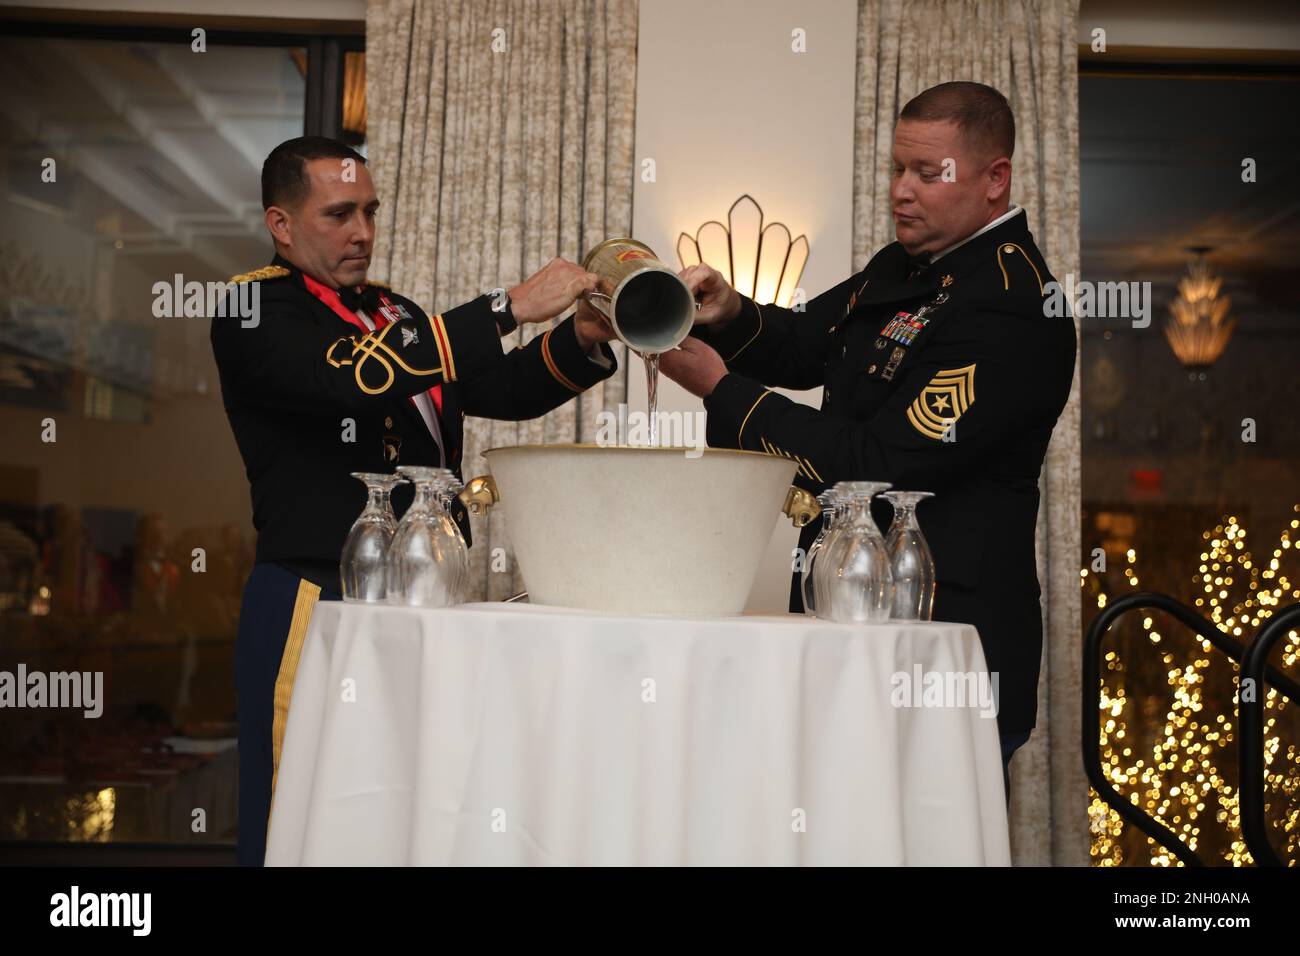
x: 725, y: 107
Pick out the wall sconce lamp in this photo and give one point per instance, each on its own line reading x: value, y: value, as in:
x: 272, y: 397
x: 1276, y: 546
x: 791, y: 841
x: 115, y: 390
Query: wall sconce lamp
x: 760, y: 261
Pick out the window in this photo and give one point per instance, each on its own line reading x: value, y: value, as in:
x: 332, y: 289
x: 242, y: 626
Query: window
x: 130, y: 164
x: 1191, y: 471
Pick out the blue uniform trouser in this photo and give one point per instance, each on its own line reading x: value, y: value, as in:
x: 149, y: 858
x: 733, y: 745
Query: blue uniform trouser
x: 273, y: 622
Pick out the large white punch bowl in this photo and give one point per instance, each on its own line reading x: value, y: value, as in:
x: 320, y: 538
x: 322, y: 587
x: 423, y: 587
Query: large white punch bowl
x: 639, y: 530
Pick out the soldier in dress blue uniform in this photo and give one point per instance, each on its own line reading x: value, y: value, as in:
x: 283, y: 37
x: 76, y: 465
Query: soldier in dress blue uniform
x: 942, y: 371
x: 336, y: 374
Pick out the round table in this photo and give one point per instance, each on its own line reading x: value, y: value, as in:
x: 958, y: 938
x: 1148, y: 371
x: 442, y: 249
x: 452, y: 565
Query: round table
x: 492, y: 734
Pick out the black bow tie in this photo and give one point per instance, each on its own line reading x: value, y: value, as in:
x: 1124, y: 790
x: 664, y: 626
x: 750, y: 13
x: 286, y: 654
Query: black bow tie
x: 362, y: 297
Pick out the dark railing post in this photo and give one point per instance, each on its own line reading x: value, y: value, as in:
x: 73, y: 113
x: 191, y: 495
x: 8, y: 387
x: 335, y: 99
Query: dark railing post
x: 1092, y: 745
x: 1250, y: 732
x: 1250, y: 743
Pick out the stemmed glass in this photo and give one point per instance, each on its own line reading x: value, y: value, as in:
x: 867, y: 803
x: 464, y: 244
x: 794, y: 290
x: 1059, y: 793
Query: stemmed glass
x: 829, y: 500
x: 363, y: 566
x: 910, y: 559
x: 853, y: 583
x: 428, y: 562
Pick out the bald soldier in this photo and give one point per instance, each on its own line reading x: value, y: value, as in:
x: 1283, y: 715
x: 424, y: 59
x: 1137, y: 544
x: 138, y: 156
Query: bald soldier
x: 942, y: 373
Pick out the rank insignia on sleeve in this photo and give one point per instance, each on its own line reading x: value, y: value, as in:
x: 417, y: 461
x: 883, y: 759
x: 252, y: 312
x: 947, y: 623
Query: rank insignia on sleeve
x: 944, y: 400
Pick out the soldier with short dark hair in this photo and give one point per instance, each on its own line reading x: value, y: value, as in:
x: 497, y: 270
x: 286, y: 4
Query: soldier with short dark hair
x: 943, y: 372
x: 337, y: 374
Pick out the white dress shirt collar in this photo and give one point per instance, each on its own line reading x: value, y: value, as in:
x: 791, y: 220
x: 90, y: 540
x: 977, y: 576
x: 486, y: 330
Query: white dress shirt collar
x: 1012, y: 210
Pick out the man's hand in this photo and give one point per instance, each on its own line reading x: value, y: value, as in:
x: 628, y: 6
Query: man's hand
x: 719, y: 302
x: 549, y: 291
x: 590, y: 326
x: 695, y: 366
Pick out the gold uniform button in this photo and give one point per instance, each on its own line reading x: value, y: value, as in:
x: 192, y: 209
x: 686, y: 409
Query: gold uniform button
x: 872, y: 370
x: 1008, y: 248
x: 388, y: 423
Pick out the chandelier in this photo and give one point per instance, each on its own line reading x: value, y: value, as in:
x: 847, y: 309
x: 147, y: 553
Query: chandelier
x: 1200, y: 327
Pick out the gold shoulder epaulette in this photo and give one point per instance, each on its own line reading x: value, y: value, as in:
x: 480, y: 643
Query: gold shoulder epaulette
x: 257, y: 275
x: 1011, y: 249
x: 382, y: 285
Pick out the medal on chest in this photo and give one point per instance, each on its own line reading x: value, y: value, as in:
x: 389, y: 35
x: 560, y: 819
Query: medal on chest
x: 392, y: 311
x: 904, y: 327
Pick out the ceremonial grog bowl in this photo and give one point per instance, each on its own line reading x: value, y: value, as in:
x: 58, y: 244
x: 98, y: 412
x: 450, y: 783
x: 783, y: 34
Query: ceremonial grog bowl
x: 639, y: 530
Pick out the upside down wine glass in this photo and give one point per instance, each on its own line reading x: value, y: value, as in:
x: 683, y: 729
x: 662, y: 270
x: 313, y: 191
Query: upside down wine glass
x: 428, y: 562
x: 910, y: 560
x: 853, y: 582
x: 363, y: 567
x: 829, y: 500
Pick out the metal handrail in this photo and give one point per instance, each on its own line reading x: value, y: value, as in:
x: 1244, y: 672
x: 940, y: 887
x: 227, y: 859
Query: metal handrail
x: 1193, y: 621
x: 1250, y: 746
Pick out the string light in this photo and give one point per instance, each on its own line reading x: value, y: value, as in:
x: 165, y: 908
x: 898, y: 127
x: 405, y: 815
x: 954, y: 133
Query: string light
x: 1185, y: 777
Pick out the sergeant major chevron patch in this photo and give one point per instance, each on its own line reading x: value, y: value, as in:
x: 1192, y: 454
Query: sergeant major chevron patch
x: 943, y: 401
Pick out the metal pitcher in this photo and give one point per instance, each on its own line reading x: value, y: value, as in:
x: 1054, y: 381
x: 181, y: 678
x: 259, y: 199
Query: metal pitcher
x: 649, y: 307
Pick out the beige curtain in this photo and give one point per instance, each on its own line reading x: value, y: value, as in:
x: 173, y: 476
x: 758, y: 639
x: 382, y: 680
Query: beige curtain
x: 1026, y: 49
x: 500, y: 135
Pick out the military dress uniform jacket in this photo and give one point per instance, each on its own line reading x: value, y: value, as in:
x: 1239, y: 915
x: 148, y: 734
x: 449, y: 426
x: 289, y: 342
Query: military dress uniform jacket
x: 948, y: 382
x: 312, y: 398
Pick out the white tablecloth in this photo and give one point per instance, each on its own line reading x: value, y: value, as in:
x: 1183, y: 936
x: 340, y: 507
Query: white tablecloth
x: 510, y: 734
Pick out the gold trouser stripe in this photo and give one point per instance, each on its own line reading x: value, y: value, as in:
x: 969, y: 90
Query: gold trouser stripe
x: 759, y: 309
x: 303, y: 605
